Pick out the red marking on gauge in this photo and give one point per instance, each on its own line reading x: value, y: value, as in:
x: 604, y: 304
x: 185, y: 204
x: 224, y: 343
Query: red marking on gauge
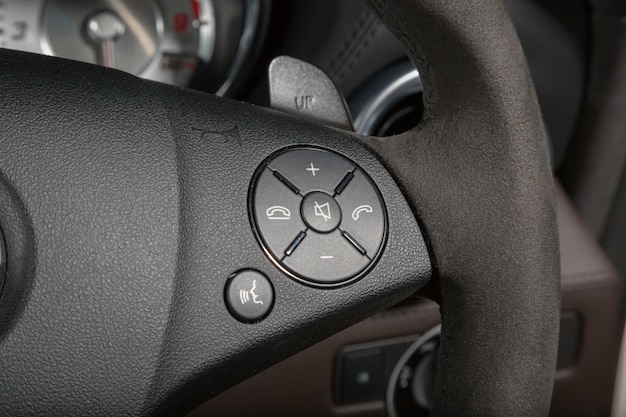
x: 180, y: 22
x: 191, y: 66
x: 195, y: 4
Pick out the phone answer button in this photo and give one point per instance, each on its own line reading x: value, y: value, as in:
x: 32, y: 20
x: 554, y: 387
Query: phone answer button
x: 365, y: 216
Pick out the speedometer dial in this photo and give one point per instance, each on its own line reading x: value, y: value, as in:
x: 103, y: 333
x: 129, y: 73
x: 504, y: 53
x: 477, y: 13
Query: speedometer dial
x: 164, y: 40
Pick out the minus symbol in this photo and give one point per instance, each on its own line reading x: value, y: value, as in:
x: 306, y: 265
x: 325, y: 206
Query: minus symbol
x: 326, y: 257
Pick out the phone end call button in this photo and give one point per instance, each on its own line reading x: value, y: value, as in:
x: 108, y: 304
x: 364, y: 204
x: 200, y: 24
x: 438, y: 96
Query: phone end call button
x: 276, y: 213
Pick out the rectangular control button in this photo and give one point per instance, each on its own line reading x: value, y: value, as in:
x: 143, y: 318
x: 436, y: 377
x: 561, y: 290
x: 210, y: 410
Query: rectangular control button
x: 362, y: 376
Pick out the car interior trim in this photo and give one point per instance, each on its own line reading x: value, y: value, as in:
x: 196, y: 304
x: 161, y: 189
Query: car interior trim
x: 251, y: 19
x: 619, y: 394
x: 590, y: 287
x: 371, y: 104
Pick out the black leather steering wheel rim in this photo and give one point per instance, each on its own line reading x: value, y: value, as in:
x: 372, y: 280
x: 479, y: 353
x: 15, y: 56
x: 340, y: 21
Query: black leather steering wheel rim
x: 115, y: 264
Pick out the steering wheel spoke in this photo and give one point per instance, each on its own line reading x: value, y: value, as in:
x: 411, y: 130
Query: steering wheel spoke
x: 152, y: 257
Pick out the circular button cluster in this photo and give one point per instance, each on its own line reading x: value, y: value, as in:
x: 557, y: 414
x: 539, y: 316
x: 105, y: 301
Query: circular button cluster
x: 318, y: 215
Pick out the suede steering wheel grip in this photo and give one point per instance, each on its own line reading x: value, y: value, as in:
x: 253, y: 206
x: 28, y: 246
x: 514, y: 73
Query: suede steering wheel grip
x: 476, y: 171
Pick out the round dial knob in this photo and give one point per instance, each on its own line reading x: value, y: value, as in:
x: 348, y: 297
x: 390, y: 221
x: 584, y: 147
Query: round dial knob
x: 410, y: 390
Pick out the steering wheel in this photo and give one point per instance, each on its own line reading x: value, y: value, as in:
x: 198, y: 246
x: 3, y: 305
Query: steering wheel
x: 128, y: 215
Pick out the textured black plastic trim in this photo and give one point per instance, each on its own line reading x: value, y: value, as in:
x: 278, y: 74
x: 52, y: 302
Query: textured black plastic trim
x: 2, y: 261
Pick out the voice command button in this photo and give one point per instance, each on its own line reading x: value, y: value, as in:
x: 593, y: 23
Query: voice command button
x: 249, y: 296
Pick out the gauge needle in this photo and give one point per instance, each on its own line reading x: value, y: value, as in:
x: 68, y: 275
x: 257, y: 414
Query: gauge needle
x: 104, y: 29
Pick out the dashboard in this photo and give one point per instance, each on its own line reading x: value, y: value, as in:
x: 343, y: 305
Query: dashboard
x: 196, y: 43
x: 225, y: 47
x: 385, y: 365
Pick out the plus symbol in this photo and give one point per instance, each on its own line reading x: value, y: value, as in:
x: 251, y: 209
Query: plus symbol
x: 312, y: 169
